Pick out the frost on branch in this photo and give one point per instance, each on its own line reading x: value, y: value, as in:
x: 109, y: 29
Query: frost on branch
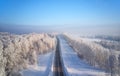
x: 104, y: 55
x: 18, y: 51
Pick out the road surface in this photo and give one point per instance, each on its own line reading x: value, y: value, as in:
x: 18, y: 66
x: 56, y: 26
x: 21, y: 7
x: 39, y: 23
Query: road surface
x: 57, y: 67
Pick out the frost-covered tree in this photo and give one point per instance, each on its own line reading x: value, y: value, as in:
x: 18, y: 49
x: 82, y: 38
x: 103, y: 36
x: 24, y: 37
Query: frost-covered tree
x: 2, y: 60
x: 119, y: 65
x: 93, y: 53
x: 18, y: 51
x: 112, y: 64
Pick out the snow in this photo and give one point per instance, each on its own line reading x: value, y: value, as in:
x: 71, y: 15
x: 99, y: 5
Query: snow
x: 91, y: 39
x: 73, y: 65
x: 43, y: 68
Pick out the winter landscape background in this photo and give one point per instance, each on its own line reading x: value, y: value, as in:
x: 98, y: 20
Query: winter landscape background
x: 59, y: 38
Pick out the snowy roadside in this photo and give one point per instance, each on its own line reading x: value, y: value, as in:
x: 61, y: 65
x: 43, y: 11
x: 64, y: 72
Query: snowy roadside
x: 73, y: 65
x: 43, y: 68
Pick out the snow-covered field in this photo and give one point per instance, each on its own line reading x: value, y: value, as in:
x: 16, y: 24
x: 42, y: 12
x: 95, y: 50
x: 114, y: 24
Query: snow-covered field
x: 73, y: 65
x: 43, y: 68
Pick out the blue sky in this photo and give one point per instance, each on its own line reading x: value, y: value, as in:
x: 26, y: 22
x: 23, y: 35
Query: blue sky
x: 60, y: 15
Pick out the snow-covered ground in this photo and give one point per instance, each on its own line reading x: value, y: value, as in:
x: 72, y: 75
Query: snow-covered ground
x: 73, y: 65
x: 43, y: 68
x: 91, y: 38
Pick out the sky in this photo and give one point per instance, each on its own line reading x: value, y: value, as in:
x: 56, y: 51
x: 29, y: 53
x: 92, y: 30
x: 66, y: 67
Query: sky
x: 79, y: 16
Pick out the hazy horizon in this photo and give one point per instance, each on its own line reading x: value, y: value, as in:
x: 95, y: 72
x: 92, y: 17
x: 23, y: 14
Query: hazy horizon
x: 75, y: 16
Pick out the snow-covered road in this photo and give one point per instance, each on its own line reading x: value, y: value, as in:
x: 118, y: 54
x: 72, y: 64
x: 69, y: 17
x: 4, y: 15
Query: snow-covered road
x: 73, y: 65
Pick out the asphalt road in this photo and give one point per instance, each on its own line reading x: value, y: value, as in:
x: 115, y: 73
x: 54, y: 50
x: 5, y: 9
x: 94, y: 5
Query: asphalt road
x: 57, y: 67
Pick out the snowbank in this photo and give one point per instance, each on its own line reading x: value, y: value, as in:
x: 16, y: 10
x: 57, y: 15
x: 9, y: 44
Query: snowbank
x: 43, y: 68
